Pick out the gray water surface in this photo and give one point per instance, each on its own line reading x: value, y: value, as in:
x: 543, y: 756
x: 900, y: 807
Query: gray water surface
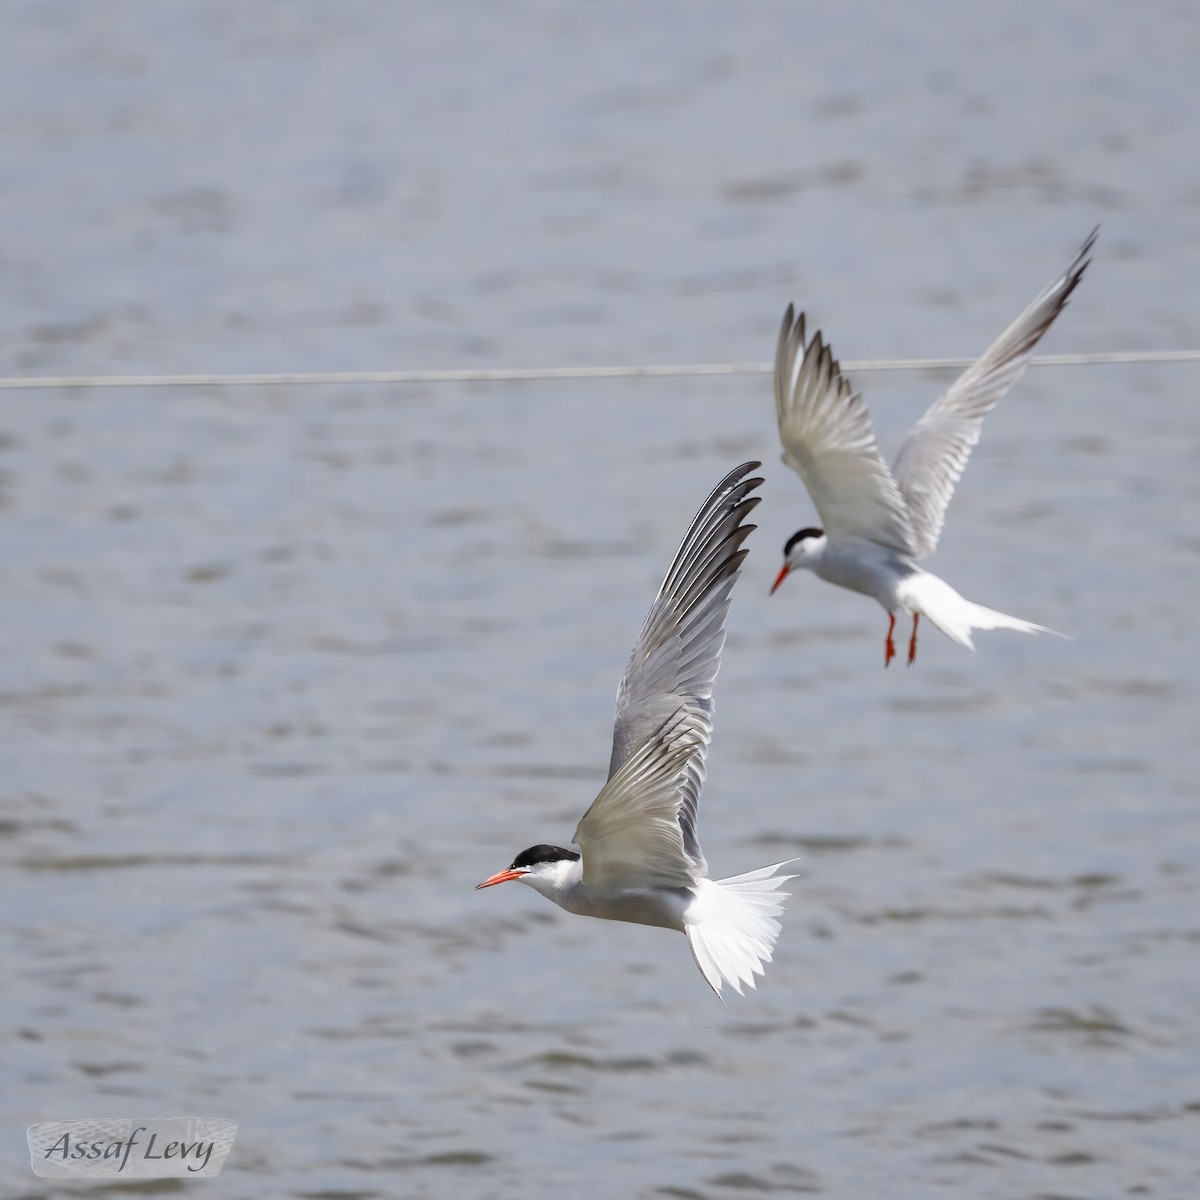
x: 284, y: 673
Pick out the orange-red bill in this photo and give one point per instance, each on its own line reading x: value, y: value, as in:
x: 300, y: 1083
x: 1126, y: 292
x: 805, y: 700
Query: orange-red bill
x: 499, y: 877
x: 783, y: 574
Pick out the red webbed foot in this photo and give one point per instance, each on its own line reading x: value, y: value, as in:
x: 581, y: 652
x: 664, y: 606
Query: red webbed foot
x: 912, y: 641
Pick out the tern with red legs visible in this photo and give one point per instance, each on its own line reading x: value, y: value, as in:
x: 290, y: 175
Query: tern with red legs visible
x: 877, y: 524
x: 639, y: 859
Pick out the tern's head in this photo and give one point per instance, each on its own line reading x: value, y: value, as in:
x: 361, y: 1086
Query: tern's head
x: 801, y: 552
x: 546, y: 869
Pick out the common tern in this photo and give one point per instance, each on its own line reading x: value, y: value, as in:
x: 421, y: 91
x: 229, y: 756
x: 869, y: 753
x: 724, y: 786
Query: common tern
x: 878, y: 523
x: 640, y: 859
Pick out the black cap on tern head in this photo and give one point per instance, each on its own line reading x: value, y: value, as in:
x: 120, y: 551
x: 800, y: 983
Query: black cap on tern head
x: 541, y: 854
x: 799, y: 536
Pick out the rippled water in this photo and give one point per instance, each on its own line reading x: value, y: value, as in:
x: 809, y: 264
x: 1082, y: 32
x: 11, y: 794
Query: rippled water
x: 285, y: 672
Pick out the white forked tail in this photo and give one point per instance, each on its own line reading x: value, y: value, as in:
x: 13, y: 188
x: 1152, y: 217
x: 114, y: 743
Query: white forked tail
x: 731, y: 926
x: 954, y: 615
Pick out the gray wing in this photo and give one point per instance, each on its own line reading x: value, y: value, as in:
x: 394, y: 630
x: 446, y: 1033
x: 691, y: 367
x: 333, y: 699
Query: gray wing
x: 633, y: 834
x: 677, y: 654
x: 933, y: 456
x: 828, y: 440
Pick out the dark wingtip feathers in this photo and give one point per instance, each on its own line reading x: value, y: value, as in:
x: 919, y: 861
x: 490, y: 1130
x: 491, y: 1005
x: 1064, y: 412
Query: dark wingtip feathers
x: 1079, y: 264
x: 709, y: 552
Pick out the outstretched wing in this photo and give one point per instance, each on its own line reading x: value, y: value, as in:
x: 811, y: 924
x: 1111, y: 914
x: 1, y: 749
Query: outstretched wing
x: 633, y: 832
x: 668, y: 686
x: 933, y: 456
x: 829, y: 442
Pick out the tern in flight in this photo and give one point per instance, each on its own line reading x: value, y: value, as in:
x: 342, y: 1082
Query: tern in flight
x: 639, y: 859
x: 877, y: 524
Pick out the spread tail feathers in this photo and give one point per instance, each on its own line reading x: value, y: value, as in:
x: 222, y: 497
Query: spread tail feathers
x: 731, y: 926
x: 954, y: 615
